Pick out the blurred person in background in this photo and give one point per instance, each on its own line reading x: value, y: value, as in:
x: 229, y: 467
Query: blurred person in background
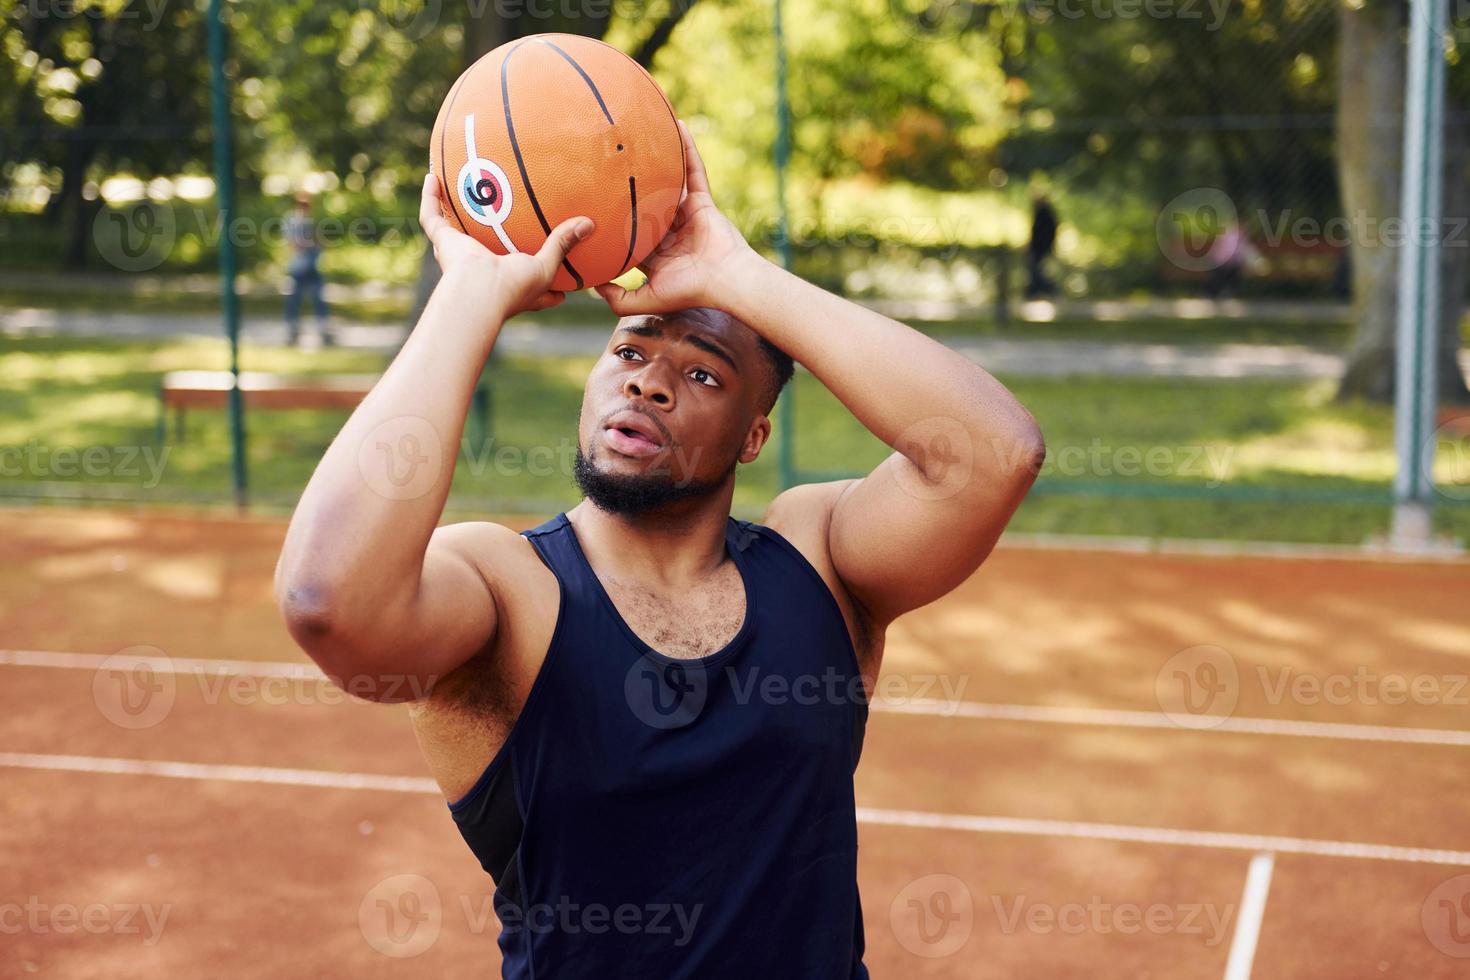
x: 306, y: 250
x: 1043, y: 242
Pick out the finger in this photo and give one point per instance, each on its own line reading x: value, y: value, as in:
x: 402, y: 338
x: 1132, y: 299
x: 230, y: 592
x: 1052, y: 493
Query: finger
x: 560, y: 242
x: 547, y: 300
x: 431, y: 218
x: 629, y: 302
x: 695, y: 178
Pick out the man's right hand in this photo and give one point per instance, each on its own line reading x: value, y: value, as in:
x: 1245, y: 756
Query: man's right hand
x: 519, y: 281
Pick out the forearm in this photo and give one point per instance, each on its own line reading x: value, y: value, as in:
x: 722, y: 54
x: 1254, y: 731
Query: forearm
x: 890, y: 376
x: 355, y: 547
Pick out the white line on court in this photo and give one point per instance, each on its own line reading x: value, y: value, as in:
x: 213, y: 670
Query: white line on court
x: 1248, y: 922
x: 1115, y: 718
x: 890, y: 818
x: 1098, y: 717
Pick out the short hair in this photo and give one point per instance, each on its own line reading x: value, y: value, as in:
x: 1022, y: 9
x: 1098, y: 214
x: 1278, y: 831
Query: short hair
x: 779, y: 366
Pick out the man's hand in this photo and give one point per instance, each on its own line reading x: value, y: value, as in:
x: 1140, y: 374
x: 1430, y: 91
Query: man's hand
x: 688, y: 266
x: 519, y: 281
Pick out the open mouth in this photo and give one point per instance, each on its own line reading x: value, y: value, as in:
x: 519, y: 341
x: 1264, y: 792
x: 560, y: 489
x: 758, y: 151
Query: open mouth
x: 632, y: 437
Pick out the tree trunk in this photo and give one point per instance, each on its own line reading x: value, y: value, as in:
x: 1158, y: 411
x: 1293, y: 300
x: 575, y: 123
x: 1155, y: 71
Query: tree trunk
x: 1370, y: 139
x: 1454, y: 255
x: 1370, y: 133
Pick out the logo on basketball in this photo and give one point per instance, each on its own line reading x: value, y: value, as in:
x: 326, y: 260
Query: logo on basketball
x: 401, y: 916
x: 131, y: 691
x: 933, y: 916
x: 1198, y: 687
x: 1445, y: 916
x: 665, y: 695
x: 484, y: 190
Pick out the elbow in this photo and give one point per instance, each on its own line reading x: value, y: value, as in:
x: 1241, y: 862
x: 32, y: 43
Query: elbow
x: 315, y: 621
x: 343, y: 650
x: 1025, y: 451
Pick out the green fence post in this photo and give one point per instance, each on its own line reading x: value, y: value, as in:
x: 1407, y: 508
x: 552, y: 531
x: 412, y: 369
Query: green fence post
x: 786, y: 444
x: 224, y: 179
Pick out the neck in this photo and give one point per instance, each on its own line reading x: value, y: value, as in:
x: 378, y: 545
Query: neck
x: 667, y: 548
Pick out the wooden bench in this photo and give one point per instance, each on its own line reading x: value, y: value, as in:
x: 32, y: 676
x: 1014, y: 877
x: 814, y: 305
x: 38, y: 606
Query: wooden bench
x: 183, y: 390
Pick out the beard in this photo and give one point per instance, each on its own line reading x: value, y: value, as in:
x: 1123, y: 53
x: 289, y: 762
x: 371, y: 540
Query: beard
x: 629, y: 495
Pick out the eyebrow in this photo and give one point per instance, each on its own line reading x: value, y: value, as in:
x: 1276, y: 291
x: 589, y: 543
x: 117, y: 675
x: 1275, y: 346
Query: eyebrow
x: 646, y: 329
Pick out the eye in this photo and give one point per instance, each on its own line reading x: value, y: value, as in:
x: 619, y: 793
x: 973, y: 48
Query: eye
x: 707, y: 379
x: 626, y: 350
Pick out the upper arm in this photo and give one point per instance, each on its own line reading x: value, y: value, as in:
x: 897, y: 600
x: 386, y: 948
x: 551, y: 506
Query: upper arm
x: 898, y: 540
x: 398, y: 651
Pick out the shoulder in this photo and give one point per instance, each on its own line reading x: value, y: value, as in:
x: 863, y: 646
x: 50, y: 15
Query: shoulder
x: 518, y: 581
x: 803, y: 516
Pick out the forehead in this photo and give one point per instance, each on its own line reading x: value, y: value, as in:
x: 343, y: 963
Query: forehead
x: 710, y: 330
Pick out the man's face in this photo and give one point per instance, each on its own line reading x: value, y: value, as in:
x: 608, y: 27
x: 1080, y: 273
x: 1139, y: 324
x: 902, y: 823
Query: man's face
x: 670, y: 407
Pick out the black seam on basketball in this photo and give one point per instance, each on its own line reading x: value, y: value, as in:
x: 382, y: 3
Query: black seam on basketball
x: 585, y: 77
x: 515, y: 147
x: 443, y: 163
x: 633, y: 238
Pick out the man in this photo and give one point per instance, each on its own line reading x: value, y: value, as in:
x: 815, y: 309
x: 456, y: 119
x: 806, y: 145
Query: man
x: 644, y: 714
x: 304, y: 272
x: 1039, y: 247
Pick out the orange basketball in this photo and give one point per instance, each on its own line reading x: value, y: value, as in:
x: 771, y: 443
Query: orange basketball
x: 552, y: 126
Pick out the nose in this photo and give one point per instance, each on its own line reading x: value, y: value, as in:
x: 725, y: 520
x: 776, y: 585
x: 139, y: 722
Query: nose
x: 650, y: 384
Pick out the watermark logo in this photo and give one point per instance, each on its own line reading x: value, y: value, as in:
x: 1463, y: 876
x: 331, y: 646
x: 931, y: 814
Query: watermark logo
x: 402, y: 458
x: 933, y: 916
x: 135, y: 687
x: 135, y: 238
x: 1445, y: 916
x: 414, y: 19
x: 1198, y: 687
x: 665, y: 695
x: 1451, y: 456
x: 942, y: 458
x: 929, y: 19
x: 1191, y: 229
x: 401, y: 916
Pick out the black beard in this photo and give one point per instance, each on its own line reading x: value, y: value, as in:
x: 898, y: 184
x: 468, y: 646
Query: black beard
x: 634, y: 494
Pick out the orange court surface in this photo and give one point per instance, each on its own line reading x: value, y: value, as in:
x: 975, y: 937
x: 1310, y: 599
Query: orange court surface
x: 1084, y: 762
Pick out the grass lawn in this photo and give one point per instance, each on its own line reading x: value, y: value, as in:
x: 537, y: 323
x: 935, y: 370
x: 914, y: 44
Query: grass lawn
x: 78, y: 415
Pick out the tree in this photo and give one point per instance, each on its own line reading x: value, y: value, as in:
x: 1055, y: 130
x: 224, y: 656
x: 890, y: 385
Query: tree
x: 1370, y: 132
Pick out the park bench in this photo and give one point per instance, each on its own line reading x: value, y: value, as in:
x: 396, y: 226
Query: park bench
x: 183, y: 390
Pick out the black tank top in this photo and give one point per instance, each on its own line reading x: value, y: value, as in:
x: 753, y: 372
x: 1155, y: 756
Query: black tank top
x: 674, y: 818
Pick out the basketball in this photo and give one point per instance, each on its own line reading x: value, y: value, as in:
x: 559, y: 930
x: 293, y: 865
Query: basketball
x: 552, y: 126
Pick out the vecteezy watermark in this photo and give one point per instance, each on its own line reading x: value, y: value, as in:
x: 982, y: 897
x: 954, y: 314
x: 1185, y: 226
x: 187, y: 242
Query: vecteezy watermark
x: 135, y: 238
x: 36, y: 917
x: 38, y: 460
x: 401, y: 458
x: 403, y: 916
x: 1200, y: 687
x: 150, y: 12
x: 946, y: 18
x: 943, y: 458
x: 1445, y: 917
x: 137, y: 687
x: 1102, y: 917
x: 1451, y: 456
x: 933, y: 916
x: 1191, y: 229
x: 414, y: 19
x: 1102, y: 460
x: 140, y: 236
x: 666, y: 694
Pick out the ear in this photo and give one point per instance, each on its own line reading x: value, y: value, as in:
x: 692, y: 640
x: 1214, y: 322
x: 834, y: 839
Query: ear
x: 755, y: 439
